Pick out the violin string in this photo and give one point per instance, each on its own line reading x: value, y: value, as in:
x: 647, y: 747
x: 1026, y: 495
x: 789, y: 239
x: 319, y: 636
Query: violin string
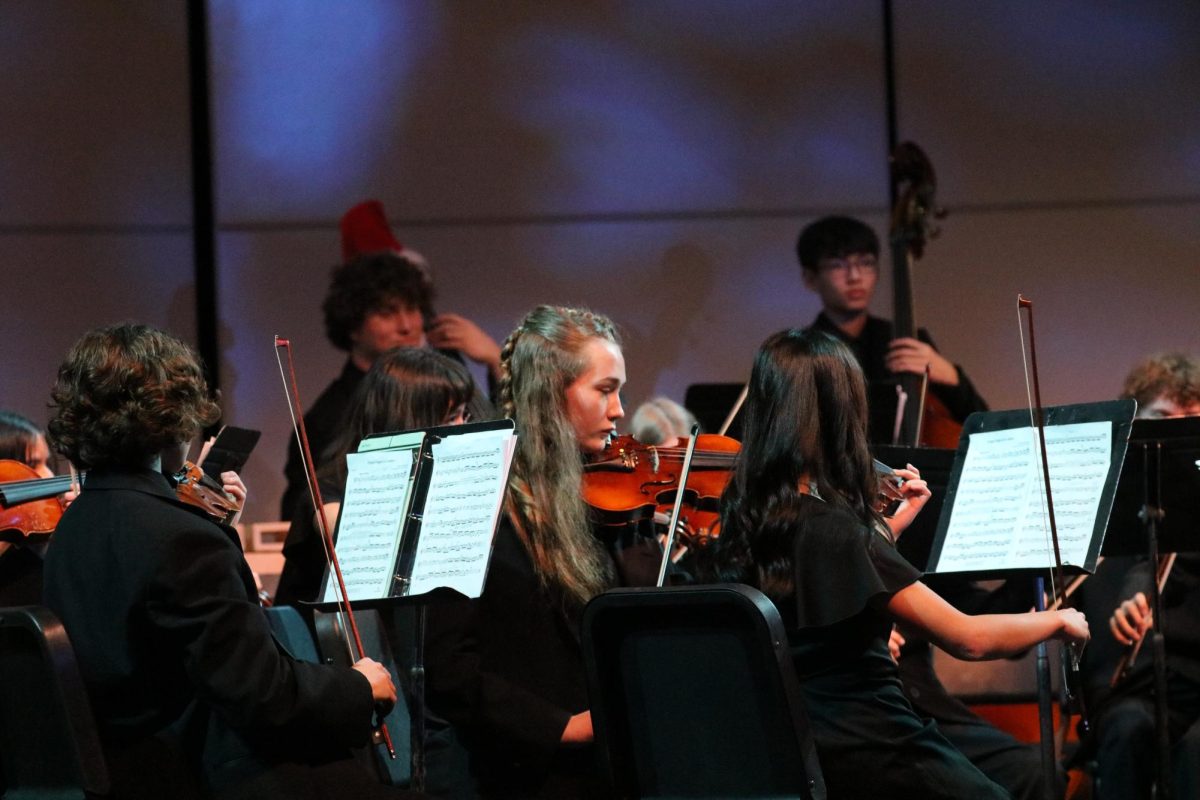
x: 677, y: 454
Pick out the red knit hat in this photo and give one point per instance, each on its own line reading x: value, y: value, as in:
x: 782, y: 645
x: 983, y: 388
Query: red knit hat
x: 365, y: 230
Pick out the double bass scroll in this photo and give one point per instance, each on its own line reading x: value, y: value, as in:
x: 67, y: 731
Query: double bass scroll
x: 922, y: 419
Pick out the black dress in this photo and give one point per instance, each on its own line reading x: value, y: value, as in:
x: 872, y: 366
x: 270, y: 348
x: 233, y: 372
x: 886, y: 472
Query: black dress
x: 507, y: 670
x: 869, y: 740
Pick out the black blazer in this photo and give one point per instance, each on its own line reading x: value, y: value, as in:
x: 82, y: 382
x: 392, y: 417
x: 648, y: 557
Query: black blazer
x: 185, y: 678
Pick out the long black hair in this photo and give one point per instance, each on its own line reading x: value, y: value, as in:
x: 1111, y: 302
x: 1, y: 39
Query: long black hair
x: 805, y: 421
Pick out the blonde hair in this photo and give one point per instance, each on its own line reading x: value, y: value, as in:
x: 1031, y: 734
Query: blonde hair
x: 538, y: 361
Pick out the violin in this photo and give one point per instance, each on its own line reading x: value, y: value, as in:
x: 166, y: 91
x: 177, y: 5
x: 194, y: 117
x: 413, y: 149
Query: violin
x: 197, y: 488
x: 29, y: 504
x: 631, y: 481
x: 889, y: 494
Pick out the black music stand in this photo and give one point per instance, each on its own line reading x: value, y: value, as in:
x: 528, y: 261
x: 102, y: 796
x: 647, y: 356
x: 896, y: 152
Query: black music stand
x: 1116, y: 413
x: 711, y: 403
x: 398, y: 594
x: 1160, y: 487
x: 970, y: 547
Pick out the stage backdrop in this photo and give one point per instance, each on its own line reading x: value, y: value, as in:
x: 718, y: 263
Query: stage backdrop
x: 653, y: 160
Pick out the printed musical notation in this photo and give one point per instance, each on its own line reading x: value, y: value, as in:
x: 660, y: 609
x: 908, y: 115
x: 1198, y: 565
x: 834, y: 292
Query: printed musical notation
x: 468, y: 474
x: 1000, y: 518
x: 378, y: 489
x: 466, y: 490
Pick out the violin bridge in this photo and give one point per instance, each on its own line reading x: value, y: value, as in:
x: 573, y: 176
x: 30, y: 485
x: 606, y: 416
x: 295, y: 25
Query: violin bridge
x: 629, y: 458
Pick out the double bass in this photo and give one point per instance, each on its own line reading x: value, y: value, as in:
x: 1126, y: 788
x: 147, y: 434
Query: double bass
x: 921, y: 418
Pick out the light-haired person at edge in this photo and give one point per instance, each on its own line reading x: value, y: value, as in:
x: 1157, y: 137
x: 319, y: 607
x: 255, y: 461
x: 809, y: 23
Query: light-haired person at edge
x: 192, y: 695
x: 380, y: 297
x: 1164, y: 386
x: 798, y: 523
x: 507, y: 669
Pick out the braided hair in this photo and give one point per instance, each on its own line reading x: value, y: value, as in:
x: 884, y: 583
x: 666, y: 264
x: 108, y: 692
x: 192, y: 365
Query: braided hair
x: 538, y: 361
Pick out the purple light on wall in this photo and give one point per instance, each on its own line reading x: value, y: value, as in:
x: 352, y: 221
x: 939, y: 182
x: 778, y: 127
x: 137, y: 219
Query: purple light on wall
x: 307, y: 93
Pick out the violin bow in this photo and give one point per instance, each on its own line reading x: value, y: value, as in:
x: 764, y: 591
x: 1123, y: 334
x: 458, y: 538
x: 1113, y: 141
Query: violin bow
x: 350, y: 628
x: 1057, y: 581
x: 733, y: 412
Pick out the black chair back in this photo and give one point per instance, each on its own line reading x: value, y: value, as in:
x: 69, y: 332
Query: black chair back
x: 48, y: 742
x: 693, y: 694
x: 292, y: 632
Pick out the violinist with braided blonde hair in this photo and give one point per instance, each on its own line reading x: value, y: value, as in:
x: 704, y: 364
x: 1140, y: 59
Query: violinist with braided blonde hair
x: 507, y: 669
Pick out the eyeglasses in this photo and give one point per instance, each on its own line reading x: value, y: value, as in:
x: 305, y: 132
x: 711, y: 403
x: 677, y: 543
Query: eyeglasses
x: 842, y: 266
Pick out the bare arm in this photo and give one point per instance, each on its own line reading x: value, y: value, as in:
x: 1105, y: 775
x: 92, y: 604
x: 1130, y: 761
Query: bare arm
x: 986, y: 636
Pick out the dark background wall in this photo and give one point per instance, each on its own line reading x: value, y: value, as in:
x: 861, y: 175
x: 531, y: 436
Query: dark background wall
x: 651, y: 159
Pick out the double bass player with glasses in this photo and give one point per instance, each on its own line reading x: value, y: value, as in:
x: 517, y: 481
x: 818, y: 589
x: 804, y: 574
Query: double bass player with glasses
x: 839, y: 261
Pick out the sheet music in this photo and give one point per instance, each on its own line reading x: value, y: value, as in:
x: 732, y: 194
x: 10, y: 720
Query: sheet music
x: 999, y: 514
x: 378, y: 490
x: 466, y: 489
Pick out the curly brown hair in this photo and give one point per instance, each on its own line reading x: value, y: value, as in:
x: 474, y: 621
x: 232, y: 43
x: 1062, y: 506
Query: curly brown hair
x: 124, y: 394
x: 370, y: 283
x: 1175, y: 376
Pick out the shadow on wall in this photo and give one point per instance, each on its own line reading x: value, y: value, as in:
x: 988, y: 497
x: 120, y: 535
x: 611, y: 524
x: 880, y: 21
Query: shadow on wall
x: 674, y: 294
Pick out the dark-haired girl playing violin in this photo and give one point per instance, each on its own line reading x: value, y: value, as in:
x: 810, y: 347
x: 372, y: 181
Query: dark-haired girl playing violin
x: 25, y: 456
x: 192, y: 695
x: 798, y: 523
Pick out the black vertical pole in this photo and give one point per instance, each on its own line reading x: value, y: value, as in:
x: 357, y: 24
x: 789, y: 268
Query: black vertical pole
x: 889, y: 85
x: 203, y: 215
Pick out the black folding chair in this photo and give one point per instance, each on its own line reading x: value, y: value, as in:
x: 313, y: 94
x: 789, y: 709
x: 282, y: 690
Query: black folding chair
x: 48, y: 742
x: 693, y: 694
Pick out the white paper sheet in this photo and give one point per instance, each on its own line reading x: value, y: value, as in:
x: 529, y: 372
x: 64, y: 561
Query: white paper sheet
x: 466, y: 490
x: 378, y: 490
x: 999, y: 519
